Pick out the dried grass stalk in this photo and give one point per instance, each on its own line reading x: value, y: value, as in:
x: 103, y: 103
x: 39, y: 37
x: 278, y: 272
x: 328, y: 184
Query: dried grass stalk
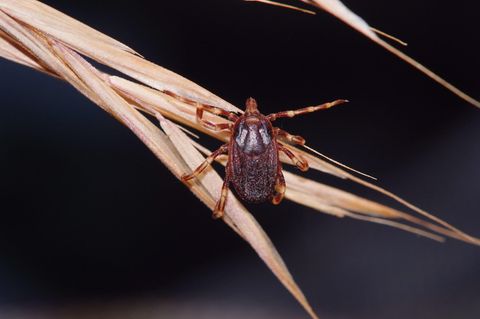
x: 42, y: 38
x: 339, y: 10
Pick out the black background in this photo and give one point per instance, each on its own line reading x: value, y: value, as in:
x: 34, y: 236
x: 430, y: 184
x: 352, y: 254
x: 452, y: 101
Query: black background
x: 93, y: 226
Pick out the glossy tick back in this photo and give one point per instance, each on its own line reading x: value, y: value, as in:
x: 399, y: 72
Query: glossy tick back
x: 253, y: 167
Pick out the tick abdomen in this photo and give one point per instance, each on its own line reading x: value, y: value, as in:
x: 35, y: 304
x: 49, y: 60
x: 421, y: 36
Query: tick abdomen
x: 254, y: 178
x: 254, y: 160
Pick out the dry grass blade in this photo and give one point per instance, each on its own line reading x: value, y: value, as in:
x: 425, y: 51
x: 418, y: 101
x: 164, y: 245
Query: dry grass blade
x: 339, y: 10
x: 343, y: 204
x: 331, y: 160
x: 104, y: 49
x: 11, y: 52
x: 278, y: 4
x: 329, y: 168
x: 42, y: 38
x: 389, y: 36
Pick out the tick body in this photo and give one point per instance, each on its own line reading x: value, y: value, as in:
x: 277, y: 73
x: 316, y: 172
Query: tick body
x: 253, y: 166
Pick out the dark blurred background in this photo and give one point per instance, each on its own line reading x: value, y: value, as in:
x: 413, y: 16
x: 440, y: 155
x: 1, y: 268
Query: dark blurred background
x: 93, y: 226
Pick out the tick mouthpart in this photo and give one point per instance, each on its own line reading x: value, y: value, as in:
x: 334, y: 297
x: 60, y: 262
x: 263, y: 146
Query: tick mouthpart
x: 251, y: 105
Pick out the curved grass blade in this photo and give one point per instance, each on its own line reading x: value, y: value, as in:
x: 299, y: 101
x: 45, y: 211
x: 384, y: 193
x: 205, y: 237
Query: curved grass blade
x: 339, y: 10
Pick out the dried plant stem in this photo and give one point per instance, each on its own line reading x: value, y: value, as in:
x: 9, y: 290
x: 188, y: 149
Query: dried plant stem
x: 339, y: 10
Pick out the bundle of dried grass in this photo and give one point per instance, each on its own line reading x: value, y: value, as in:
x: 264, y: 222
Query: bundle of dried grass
x: 42, y: 38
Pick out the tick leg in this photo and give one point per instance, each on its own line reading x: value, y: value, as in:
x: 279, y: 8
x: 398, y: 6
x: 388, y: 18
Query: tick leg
x: 280, y: 187
x: 299, y: 161
x: 210, y: 125
x: 222, y: 150
x: 308, y: 109
x: 220, y: 206
x: 201, y: 107
x: 295, y: 139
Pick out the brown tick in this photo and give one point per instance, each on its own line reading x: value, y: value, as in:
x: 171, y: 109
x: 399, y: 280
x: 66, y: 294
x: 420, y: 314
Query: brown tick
x: 253, y: 165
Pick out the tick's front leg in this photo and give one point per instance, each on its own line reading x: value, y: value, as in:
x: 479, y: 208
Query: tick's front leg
x: 308, y: 109
x: 222, y: 150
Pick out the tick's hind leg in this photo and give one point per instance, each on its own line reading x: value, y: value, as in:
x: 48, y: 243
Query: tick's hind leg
x: 308, y: 109
x: 298, y: 160
x: 280, y: 187
x: 220, y: 206
x: 222, y: 150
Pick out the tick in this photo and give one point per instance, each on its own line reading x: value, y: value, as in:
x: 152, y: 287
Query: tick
x: 253, y: 165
